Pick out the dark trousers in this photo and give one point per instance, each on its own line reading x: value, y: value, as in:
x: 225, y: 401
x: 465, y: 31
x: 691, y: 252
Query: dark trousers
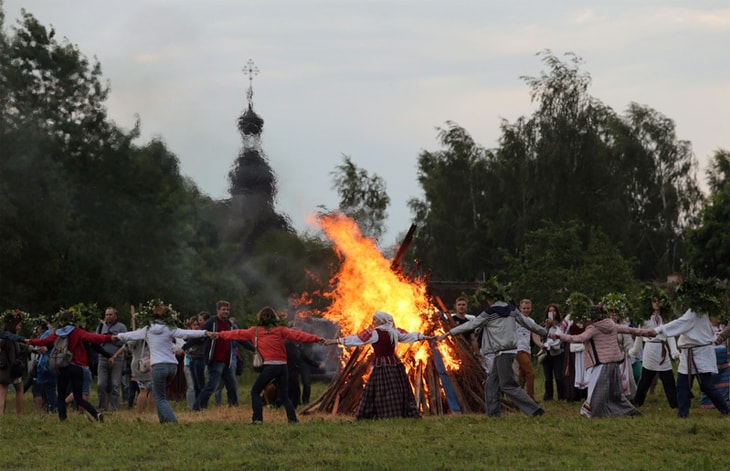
x: 553, y: 368
x: 72, y: 375
x: 647, y: 376
x: 305, y: 373
x: 268, y: 374
x: 706, y: 386
x: 197, y: 370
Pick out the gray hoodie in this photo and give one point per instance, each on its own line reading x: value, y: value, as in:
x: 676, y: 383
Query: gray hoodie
x: 500, y: 328
x: 159, y: 338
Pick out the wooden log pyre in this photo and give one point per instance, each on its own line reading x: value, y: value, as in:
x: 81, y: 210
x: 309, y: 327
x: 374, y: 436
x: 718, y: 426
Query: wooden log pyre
x: 466, y: 382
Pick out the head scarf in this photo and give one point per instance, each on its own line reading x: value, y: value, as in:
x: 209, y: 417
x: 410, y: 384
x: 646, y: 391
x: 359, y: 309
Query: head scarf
x: 387, y: 325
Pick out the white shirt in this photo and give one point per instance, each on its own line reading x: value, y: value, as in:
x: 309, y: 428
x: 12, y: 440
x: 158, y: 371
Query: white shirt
x: 694, y: 332
x: 655, y: 357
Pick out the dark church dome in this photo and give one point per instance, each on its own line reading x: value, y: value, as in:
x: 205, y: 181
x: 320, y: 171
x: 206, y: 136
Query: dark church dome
x: 249, y: 123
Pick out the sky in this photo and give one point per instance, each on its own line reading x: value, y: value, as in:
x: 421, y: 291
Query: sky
x: 374, y: 80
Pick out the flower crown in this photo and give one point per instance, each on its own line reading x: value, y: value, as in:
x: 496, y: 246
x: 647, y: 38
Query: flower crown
x: 157, y: 311
x: 579, y: 307
x: 616, y: 303
x: 9, y: 315
x: 648, y: 293
x: 85, y: 315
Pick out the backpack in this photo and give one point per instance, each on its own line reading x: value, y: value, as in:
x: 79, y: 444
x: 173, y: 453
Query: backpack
x: 60, y: 356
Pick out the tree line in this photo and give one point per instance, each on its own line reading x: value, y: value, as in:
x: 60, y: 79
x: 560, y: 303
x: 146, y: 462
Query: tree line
x: 576, y: 197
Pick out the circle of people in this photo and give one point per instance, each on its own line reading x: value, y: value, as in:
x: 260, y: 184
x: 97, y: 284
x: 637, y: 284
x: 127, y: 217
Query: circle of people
x: 600, y: 371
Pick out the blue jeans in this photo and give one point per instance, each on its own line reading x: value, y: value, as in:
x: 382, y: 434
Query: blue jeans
x: 162, y: 374
x: 219, y: 389
x: 47, y: 390
x: 189, y: 387
x: 706, y: 386
x: 218, y: 371
x: 269, y: 373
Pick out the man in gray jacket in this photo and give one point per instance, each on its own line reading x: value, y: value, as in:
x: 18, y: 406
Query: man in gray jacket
x: 499, y: 336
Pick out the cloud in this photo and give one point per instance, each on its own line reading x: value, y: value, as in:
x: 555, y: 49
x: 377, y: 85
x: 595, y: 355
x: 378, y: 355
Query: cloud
x: 374, y: 79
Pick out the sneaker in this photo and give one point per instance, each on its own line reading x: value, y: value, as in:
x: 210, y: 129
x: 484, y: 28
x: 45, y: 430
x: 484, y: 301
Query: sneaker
x: 100, y: 417
x: 538, y: 412
x: 257, y: 422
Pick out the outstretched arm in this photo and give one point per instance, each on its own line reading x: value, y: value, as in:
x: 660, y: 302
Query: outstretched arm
x: 5, y: 335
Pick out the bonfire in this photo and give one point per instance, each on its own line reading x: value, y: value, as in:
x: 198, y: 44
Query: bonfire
x: 445, y: 376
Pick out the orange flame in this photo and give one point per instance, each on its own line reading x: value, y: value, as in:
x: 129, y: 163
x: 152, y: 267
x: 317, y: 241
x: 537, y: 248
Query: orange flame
x: 366, y: 283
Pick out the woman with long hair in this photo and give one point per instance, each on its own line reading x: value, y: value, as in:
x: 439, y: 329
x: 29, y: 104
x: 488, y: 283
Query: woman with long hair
x: 554, y: 364
x: 268, y: 336
x: 12, y: 371
x: 388, y: 392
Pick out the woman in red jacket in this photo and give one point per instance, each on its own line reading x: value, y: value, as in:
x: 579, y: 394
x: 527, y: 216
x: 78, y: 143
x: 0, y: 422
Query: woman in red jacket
x: 269, y: 336
x: 73, y: 374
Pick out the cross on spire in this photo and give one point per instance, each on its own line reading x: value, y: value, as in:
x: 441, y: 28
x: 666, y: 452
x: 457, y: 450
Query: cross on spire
x: 251, y: 70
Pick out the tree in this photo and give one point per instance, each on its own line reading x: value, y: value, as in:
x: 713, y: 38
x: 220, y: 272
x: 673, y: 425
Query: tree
x: 85, y: 214
x: 362, y: 197
x: 562, y: 258
x: 573, y: 159
x: 628, y: 175
x: 709, y: 242
x: 451, y: 216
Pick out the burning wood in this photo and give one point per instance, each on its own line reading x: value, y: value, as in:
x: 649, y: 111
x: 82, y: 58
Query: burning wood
x: 445, y: 377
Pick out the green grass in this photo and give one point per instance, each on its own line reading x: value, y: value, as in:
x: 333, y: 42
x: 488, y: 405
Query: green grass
x: 224, y: 439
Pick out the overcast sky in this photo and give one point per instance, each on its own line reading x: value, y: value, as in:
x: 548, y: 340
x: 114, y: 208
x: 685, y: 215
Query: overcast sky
x: 374, y: 79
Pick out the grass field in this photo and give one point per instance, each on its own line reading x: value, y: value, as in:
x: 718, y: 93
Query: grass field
x: 223, y: 439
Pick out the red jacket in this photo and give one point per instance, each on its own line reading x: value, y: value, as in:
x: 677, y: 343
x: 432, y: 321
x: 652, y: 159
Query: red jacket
x: 271, y: 342
x: 75, y: 343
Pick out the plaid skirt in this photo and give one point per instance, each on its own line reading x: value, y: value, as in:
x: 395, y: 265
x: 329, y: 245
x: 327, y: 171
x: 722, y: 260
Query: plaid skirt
x: 387, y: 394
x: 607, y: 398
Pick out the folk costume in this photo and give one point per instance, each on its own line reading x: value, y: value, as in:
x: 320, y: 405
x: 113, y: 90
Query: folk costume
x: 603, y: 359
x: 388, y: 392
x: 697, y: 358
x: 656, y: 358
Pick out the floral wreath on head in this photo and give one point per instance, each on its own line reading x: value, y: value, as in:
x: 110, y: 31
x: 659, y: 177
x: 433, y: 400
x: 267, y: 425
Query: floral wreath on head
x: 85, y: 315
x: 490, y: 289
x: 616, y: 304
x: 647, y: 294
x: 579, y: 307
x: 9, y: 315
x: 155, y: 310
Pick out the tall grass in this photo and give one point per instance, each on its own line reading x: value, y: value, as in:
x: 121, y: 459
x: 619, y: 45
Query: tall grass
x: 223, y: 439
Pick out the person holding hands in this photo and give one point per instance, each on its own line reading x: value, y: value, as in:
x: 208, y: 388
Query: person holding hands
x: 268, y: 336
x: 388, y: 391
